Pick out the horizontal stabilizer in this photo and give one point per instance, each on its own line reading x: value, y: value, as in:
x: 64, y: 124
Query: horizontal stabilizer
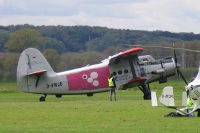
x: 37, y: 72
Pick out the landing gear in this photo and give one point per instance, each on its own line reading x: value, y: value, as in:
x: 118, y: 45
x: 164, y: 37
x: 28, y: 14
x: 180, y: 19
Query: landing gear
x: 146, y: 90
x: 43, y: 98
x: 89, y: 94
x: 58, y: 95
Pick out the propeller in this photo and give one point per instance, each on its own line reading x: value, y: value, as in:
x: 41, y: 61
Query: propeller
x: 177, y: 68
x: 179, y: 72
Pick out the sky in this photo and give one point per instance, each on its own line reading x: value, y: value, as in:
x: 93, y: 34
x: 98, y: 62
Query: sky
x: 151, y: 15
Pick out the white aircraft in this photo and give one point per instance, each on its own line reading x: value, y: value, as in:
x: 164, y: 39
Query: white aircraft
x: 192, y: 91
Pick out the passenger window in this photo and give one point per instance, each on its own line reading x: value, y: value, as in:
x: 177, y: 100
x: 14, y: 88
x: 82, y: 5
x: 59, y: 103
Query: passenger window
x: 119, y: 72
x: 126, y: 71
x: 114, y: 73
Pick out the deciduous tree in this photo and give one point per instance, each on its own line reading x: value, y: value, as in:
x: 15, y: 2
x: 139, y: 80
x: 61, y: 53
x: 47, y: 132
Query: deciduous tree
x: 23, y: 39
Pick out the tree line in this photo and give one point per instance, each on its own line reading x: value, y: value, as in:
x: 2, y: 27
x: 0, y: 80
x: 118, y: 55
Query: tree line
x: 68, y: 47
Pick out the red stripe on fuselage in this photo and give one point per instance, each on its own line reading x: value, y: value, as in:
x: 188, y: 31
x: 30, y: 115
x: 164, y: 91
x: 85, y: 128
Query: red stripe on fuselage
x: 95, y: 78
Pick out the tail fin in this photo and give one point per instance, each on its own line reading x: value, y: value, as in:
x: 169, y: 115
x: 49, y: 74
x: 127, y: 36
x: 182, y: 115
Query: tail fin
x: 31, y: 62
x: 167, y: 97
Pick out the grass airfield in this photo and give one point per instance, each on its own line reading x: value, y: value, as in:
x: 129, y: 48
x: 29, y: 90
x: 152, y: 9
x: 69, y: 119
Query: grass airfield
x: 22, y: 112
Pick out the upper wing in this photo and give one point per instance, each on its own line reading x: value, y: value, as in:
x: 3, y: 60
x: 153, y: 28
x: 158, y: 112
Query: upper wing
x: 125, y: 54
x: 131, y: 51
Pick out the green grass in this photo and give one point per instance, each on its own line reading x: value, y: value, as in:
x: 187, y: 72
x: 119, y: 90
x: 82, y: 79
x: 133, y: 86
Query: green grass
x: 21, y: 112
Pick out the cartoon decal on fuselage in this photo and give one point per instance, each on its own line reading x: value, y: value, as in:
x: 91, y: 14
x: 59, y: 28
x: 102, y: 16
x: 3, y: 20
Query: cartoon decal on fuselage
x: 89, y: 80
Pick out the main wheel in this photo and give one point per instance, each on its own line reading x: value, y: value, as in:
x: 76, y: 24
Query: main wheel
x: 89, y: 94
x: 42, y: 99
x: 147, y: 92
x: 58, y: 95
x: 147, y: 96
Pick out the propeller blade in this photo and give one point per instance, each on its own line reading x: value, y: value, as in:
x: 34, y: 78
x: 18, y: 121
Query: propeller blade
x: 177, y: 68
x: 175, y: 57
x: 180, y: 73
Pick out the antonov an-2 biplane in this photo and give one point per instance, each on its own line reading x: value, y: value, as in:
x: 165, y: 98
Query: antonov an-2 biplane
x: 35, y: 75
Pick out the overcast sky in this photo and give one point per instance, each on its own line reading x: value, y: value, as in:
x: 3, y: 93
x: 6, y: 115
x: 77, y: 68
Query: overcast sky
x: 168, y: 15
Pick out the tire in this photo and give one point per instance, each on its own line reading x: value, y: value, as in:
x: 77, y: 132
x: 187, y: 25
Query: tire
x: 42, y: 99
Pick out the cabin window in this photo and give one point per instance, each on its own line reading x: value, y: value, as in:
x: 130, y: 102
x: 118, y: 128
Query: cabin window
x: 126, y: 71
x: 120, y: 72
x: 114, y: 73
x: 84, y: 76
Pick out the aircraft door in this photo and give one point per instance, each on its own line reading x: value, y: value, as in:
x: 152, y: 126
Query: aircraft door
x: 122, y: 70
x: 131, y: 63
x: 136, y: 68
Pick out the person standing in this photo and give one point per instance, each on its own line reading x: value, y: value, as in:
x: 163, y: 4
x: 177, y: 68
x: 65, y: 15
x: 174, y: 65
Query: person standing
x: 112, y: 85
x: 190, y: 106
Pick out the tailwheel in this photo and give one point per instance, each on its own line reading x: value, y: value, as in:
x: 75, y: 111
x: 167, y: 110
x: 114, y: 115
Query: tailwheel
x: 43, y: 98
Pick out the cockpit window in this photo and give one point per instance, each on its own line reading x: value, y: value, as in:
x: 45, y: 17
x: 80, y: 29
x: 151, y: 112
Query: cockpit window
x: 145, y: 59
x: 126, y: 71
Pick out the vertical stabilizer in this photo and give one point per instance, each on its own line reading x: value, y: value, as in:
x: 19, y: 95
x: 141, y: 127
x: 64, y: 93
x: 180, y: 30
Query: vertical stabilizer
x: 31, y: 65
x: 167, y: 97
